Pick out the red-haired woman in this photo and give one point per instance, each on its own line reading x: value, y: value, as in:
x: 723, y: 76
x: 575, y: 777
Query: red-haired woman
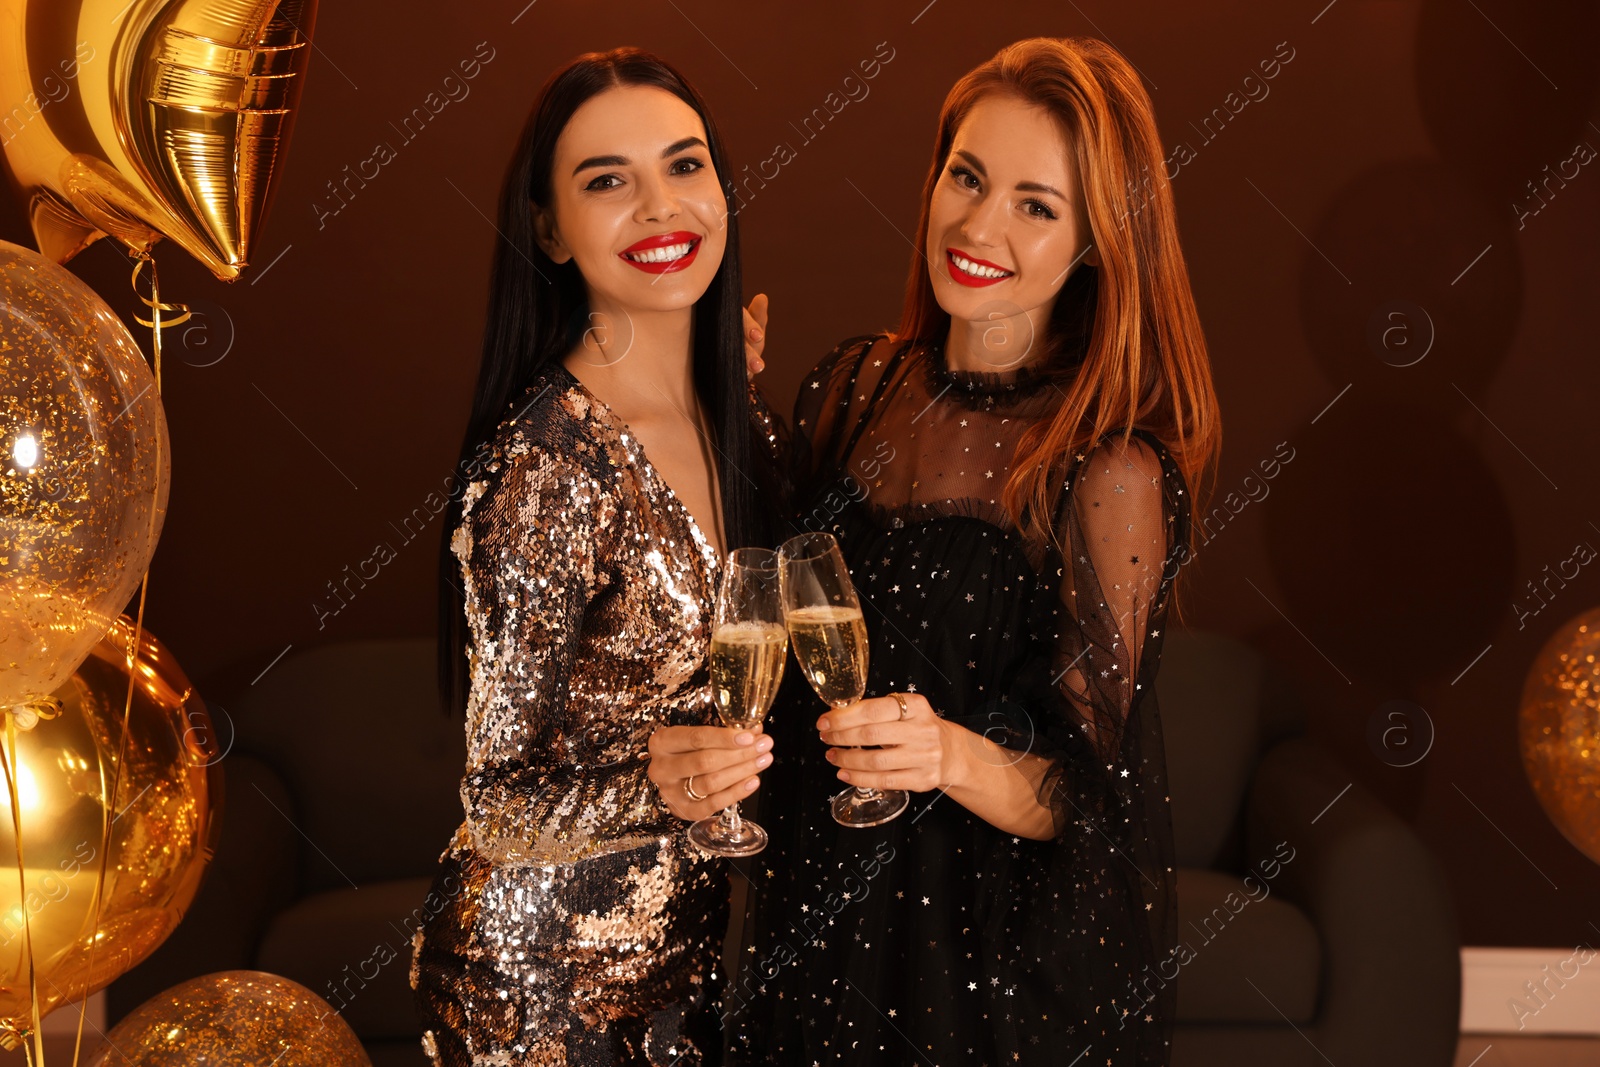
x: 1008, y: 474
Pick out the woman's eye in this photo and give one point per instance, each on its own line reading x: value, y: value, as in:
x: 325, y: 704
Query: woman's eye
x: 686, y: 166
x: 964, y: 177
x: 602, y: 183
x: 1038, y: 210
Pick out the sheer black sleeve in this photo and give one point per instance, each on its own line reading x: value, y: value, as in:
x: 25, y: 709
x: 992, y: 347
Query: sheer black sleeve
x: 1119, y: 527
x: 1122, y: 521
x: 826, y: 408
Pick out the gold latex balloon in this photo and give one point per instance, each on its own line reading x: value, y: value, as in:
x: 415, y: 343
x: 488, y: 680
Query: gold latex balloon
x: 1560, y: 731
x: 150, y: 118
x: 163, y: 823
x: 84, y: 469
x: 233, y: 1018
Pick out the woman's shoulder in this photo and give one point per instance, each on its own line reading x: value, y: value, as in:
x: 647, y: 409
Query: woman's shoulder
x: 1136, y: 466
x: 1141, y: 444
x: 553, y: 426
x: 835, y: 373
x: 845, y: 357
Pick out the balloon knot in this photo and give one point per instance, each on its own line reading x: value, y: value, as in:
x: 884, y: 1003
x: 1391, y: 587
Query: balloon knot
x: 27, y: 716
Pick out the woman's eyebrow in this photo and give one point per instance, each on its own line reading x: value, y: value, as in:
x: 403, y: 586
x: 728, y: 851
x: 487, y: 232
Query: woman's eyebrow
x: 601, y: 161
x: 1039, y: 187
x: 622, y: 161
x: 678, y: 146
x: 1024, y: 187
x: 972, y: 159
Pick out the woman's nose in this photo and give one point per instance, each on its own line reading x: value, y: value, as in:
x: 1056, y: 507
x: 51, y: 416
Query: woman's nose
x: 984, y: 223
x: 656, y: 201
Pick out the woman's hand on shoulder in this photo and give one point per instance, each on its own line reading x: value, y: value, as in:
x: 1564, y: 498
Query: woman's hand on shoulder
x: 755, y: 334
x: 922, y: 750
x: 724, y: 763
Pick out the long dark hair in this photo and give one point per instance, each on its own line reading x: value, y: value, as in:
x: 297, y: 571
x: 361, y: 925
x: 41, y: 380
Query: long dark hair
x: 538, y: 309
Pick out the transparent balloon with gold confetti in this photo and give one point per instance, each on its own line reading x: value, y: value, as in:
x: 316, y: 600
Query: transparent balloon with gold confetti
x: 84, y: 472
x: 1559, y: 730
x: 233, y: 1017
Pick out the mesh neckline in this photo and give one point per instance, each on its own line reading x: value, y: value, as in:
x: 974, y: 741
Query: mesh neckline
x: 990, y: 389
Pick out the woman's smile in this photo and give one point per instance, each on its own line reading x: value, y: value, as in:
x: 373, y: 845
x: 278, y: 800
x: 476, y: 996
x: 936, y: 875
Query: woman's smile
x: 663, y: 253
x: 970, y: 270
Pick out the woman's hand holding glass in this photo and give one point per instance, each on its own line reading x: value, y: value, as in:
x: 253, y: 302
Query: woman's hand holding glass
x: 829, y: 634
x: 748, y: 649
x: 920, y: 752
x: 721, y: 764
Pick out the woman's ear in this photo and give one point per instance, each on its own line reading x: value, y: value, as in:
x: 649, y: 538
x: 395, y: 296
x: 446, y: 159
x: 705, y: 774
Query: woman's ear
x: 1092, y: 257
x: 548, y: 237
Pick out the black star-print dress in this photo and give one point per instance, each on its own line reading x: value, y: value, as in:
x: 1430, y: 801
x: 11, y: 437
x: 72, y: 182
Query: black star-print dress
x: 936, y: 938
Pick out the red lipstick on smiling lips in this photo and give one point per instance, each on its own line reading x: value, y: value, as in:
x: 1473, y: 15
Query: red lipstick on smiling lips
x: 663, y: 246
x: 975, y: 280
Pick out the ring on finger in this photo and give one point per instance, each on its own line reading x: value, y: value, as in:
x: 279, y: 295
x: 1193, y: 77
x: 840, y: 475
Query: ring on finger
x: 905, y: 709
x: 688, y: 787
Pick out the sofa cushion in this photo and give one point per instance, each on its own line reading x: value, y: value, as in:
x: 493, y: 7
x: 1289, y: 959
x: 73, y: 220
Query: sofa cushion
x: 353, y: 948
x: 396, y: 1053
x: 1245, y: 953
x: 1209, y: 690
x: 357, y: 733
x: 250, y: 877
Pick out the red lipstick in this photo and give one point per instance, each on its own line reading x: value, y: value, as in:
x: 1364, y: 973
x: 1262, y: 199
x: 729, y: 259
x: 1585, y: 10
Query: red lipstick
x: 662, y: 241
x: 974, y: 280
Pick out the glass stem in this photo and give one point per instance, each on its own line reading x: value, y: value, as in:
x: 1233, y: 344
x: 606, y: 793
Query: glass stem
x: 731, y: 823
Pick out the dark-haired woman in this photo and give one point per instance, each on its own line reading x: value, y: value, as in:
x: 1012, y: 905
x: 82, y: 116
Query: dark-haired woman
x: 1007, y: 476
x: 613, y: 428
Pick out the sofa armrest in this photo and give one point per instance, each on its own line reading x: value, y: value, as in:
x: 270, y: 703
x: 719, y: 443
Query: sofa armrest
x: 249, y: 879
x: 1391, y: 980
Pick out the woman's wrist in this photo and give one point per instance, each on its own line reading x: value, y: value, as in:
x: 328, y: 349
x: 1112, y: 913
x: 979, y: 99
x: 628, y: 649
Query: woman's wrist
x: 957, y: 746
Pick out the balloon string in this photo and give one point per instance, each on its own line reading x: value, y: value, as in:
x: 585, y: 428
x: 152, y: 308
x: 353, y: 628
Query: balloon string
x: 8, y: 759
x: 141, y: 260
x: 107, y: 818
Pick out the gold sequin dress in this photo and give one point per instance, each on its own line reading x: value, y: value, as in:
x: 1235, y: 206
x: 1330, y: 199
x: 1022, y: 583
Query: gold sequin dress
x: 577, y: 925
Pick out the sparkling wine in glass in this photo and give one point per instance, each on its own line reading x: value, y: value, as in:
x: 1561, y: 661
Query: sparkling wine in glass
x: 748, y: 649
x: 830, y: 641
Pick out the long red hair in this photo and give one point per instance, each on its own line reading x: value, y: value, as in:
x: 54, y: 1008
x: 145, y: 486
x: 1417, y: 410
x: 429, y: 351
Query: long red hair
x: 1146, y: 364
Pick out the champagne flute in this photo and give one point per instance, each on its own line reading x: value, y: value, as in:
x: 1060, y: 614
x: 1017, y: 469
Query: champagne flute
x: 830, y: 641
x: 748, y: 650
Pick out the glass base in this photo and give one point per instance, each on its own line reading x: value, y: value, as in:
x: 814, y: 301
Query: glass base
x: 869, y: 807
x: 722, y: 837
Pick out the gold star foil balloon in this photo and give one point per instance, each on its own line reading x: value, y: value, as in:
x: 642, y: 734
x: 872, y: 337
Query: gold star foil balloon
x: 1559, y: 730
x: 233, y: 1018
x: 84, y: 908
x: 150, y: 118
x: 84, y: 469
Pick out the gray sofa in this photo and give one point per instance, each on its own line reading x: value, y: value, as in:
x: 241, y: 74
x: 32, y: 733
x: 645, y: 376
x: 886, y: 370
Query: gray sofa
x: 342, y: 781
x: 342, y: 790
x: 1320, y: 927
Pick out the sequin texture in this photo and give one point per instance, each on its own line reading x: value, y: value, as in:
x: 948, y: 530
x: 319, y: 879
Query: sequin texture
x: 580, y: 927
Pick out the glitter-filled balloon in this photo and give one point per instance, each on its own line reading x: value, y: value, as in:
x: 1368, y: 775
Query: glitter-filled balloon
x: 84, y: 468
x: 1560, y: 730
x: 163, y: 822
x: 230, y: 1019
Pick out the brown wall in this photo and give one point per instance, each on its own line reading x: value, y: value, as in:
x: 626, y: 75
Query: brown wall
x: 1389, y: 151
